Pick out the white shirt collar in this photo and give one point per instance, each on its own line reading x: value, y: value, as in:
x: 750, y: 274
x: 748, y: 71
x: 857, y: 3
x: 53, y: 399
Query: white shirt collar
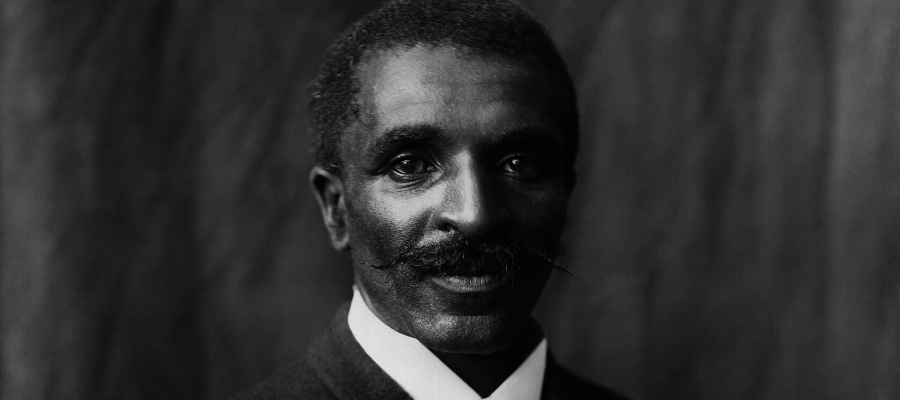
x: 422, y: 375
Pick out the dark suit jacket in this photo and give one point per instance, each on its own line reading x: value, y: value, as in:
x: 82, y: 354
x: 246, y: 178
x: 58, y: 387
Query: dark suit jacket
x: 336, y: 367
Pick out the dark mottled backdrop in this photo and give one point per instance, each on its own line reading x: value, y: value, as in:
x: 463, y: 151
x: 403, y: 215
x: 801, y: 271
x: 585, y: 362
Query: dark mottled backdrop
x: 735, y: 230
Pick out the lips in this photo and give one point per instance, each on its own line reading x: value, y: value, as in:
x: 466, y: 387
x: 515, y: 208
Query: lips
x: 469, y: 283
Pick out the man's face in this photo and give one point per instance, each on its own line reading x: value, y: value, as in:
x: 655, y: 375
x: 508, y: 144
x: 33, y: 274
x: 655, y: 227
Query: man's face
x: 450, y: 148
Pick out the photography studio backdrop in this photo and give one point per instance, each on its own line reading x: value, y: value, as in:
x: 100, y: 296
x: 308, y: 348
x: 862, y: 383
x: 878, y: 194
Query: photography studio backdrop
x: 734, y: 230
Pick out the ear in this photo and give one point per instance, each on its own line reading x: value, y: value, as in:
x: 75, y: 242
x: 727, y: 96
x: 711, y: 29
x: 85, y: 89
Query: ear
x: 329, y: 191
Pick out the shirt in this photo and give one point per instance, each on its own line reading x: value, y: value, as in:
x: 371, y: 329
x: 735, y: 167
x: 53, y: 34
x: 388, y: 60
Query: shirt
x: 424, y: 376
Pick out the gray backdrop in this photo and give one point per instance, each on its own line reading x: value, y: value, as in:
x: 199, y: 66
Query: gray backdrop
x: 735, y: 229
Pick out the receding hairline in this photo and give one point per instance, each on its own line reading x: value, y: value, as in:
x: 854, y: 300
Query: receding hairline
x: 522, y: 66
x: 485, y: 28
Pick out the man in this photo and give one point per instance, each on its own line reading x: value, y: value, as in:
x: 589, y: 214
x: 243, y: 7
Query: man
x: 445, y: 133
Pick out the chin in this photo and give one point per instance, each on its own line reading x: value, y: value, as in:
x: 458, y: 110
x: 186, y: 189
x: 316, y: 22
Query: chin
x: 482, y: 334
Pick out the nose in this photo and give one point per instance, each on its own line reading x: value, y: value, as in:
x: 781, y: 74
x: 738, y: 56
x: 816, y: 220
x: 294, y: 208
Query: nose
x: 471, y: 205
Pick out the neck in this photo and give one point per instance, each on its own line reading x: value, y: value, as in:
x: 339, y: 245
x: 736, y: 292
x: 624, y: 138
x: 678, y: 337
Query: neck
x: 484, y: 373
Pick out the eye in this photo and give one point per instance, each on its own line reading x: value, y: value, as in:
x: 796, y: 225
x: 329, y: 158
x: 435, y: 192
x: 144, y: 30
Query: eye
x: 409, y: 167
x: 522, y: 166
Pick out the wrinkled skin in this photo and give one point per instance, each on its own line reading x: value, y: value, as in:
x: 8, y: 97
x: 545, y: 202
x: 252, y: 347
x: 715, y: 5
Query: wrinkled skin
x: 449, y: 145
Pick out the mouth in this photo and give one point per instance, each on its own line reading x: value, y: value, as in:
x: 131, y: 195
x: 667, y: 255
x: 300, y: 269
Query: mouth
x: 469, y: 283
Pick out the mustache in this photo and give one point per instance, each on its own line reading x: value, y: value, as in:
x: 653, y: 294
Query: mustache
x: 473, y: 256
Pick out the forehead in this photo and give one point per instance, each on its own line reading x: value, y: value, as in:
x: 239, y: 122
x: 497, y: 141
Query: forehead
x: 401, y: 75
x: 452, y: 89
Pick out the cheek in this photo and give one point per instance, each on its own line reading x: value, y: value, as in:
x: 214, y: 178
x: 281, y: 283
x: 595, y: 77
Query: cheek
x: 541, y: 218
x: 382, y: 226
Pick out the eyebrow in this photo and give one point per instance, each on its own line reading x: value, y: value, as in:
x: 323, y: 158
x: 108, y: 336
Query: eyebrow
x: 408, y: 135
x: 531, y: 137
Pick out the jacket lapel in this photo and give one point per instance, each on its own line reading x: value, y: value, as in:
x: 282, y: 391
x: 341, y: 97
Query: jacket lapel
x: 345, y: 368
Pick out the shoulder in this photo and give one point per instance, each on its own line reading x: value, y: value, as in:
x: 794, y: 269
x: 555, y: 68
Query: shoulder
x: 300, y: 380
x: 296, y: 381
x: 335, y: 367
x: 561, y: 384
